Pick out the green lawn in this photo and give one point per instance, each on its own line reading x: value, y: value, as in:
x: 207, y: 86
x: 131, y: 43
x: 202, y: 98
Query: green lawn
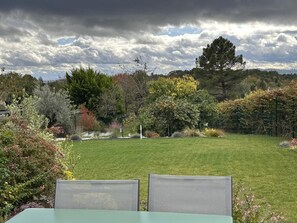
x: 271, y: 172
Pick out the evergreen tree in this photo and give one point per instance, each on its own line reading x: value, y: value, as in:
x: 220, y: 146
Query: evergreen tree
x: 220, y: 61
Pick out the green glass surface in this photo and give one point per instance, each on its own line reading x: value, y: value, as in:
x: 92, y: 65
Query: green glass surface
x: 46, y: 215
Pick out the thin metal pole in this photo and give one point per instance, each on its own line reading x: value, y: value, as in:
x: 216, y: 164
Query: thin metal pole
x: 293, y: 115
x: 276, y: 105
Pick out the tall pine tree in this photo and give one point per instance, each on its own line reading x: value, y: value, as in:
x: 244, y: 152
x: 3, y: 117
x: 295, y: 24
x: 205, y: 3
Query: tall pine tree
x: 220, y: 61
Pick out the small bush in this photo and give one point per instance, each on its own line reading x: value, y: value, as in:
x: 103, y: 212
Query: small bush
x: 75, y: 138
x: 177, y: 135
x: 57, y: 130
x: 192, y: 133
x: 115, y: 128
x: 246, y: 210
x: 131, y: 123
x: 284, y: 144
x: 88, y: 121
x: 214, y: 132
x: 294, y: 143
x: 6, y: 137
x: 151, y: 134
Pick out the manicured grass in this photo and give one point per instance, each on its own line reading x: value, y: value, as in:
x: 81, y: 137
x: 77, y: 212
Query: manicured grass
x: 269, y: 171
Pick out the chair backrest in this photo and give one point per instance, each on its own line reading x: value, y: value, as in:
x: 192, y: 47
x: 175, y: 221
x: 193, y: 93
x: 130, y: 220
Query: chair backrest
x: 190, y: 194
x: 97, y: 194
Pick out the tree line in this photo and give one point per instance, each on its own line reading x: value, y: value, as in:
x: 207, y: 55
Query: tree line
x: 162, y: 103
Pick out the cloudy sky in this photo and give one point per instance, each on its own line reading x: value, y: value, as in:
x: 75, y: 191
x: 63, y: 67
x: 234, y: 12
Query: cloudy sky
x: 50, y: 37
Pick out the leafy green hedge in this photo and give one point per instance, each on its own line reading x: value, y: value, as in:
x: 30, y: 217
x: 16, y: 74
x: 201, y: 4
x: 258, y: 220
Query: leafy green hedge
x: 272, y: 112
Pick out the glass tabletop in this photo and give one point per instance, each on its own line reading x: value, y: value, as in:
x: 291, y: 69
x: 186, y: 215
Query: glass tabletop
x: 47, y: 215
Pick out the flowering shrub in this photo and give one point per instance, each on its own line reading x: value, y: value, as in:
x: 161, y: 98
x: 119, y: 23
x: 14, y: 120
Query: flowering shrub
x: 30, y: 161
x: 246, y: 210
x: 57, y: 131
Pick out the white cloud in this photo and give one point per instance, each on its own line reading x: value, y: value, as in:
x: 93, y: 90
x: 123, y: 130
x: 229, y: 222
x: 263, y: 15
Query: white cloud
x: 27, y: 47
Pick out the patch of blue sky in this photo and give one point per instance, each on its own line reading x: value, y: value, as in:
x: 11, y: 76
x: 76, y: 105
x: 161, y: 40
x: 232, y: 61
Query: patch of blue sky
x: 49, y: 75
x: 179, y: 31
x: 66, y: 40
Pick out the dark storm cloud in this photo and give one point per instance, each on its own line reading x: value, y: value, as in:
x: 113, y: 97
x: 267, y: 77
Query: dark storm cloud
x: 108, y: 16
x: 9, y: 31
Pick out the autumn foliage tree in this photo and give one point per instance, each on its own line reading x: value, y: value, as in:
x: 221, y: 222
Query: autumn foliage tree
x: 87, y: 120
x: 134, y: 88
x: 169, y: 108
x: 177, y: 87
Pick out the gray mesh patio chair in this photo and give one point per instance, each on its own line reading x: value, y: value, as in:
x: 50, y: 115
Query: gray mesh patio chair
x: 97, y: 194
x: 190, y: 194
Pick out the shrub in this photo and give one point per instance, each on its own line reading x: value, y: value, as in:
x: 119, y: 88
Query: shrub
x: 56, y: 106
x: 246, y: 210
x: 292, y: 145
x: 131, y: 123
x: 57, y: 130
x: 192, y: 133
x: 115, y: 128
x: 25, y: 109
x: 32, y: 166
x: 294, y: 142
x: 75, y: 138
x: 261, y: 112
x: 88, y: 121
x: 214, y: 132
x: 168, y: 114
x: 151, y: 134
x: 284, y: 144
x: 177, y: 135
x: 30, y: 160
